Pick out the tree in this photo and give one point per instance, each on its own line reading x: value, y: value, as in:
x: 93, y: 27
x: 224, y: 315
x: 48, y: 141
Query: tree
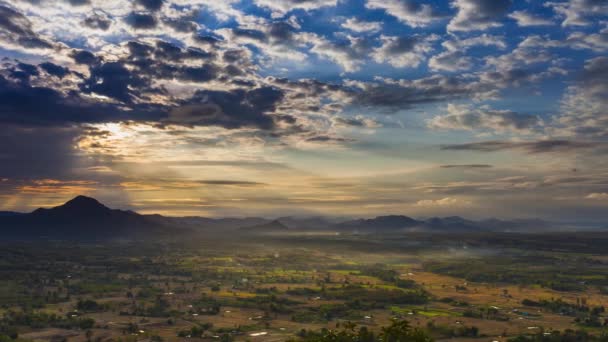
x: 398, y: 331
x: 401, y: 331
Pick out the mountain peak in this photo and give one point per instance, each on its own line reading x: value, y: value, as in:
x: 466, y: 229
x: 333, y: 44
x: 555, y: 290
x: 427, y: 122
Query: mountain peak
x: 274, y: 225
x: 79, y: 206
x: 84, y: 203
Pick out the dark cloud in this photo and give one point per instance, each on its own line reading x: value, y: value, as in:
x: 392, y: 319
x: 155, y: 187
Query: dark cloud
x: 281, y: 31
x: 114, y: 80
x: 532, y: 147
x: 229, y: 109
x: 141, y: 21
x: 251, y: 34
x: 402, y: 44
x: 411, y: 12
x: 327, y: 138
x: 170, y: 52
x: 16, y: 29
x: 182, y: 24
x: 54, y: 69
x: 206, y: 39
x: 22, y: 103
x: 98, y: 21
x: 84, y: 57
x: 36, y: 152
x: 79, y: 2
x: 405, y: 95
x: 151, y: 5
x: 229, y: 182
x: 163, y: 61
x: 478, y: 14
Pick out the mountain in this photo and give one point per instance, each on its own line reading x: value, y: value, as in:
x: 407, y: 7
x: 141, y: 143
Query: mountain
x: 305, y: 223
x: 80, y: 218
x: 272, y: 226
x: 9, y: 213
x: 452, y: 224
x: 86, y: 218
x: 380, y: 224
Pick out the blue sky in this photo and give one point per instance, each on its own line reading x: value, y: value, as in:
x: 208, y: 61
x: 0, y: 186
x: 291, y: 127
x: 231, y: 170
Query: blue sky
x: 321, y: 107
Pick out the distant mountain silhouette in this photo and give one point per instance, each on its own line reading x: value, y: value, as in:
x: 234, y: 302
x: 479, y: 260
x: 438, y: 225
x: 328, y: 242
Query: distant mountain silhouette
x: 305, y: 223
x: 81, y: 217
x: 86, y: 218
x: 272, y: 226
x: 390, y: 223
x: 9, y: 213
x: 452, y: 224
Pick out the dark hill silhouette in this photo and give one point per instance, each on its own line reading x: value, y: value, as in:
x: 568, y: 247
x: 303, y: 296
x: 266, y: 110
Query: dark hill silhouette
x: 272, y: 226
x: 86, y: 218
x: 81, y: 217
x: 9, y: 213
x: 453, y: 224
x: 380, y: 224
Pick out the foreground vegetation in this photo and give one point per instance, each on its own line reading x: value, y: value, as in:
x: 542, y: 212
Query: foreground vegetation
x: 341, y: 288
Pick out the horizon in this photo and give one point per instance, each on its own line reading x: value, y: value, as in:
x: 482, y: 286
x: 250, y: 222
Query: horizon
x: 334, y: 219
x: 257, y: 108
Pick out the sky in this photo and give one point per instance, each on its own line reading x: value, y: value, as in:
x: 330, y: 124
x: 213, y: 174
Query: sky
x: 344, y: 108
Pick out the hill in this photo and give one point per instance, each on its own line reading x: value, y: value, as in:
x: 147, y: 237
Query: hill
x: 272, y: 226
x: 380, y: 224
x: 80, y: 218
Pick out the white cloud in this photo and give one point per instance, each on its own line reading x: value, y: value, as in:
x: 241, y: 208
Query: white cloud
x: 443, y: 202
x: 356, y: 25
x: 525, y: 19
x: 579, y: 12
x: 597, y: 42
x: 484, y: 118
x: 597, y: 196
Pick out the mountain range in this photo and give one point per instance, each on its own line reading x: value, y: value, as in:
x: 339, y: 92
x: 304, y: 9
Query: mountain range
x: 85, y: 217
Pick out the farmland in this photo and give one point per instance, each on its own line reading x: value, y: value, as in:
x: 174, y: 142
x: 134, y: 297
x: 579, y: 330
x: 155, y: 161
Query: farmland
x: 265, y: 289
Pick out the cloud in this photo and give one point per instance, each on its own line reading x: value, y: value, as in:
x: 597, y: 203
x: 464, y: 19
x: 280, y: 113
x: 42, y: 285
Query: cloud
x: 474, y: 15
x: 597, y: 42
x: 579, y: 12
x: 356, y: 25
x: 349, y: 52
x: 38, y: 105
x: 357, y: 121
x: 484, y: 118
x: 16, y: 30
x: 404, y: 51
x: 531, y: 147
x: 443, y: 202
x: 600, y: 196
x: 455, y: 57
x: 525, y: 19
x: 229, y: 182
x: 142, y: 20
x: 150, y: 5
x: 281, y: 7
x: 410, y: 12
x: 583, y: 108
x: 466, y: 166
x: 233, y: 109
